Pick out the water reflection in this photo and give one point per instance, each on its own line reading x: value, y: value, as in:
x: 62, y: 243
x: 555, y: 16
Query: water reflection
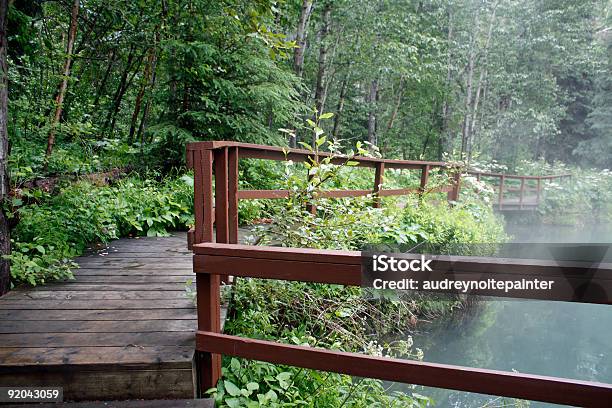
x: 560, y: 339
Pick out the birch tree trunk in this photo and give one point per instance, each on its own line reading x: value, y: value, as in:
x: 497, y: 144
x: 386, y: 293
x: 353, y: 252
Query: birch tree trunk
x: 64, y: 84
x: 300, y: 38
x: 340, y: 107
x: 321, y: 86
x: 445, y: 140
x: 372, y: 98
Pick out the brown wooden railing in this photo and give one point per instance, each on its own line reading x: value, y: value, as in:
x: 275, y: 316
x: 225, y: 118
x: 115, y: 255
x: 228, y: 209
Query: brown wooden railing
x: 226, y: 257
x: 527, y: 195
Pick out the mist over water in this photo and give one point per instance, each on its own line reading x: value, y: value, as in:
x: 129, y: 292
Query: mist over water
x: 560, y: 339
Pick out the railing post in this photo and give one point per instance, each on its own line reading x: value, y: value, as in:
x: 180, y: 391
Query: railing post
x: 501, y: 190
x: 208, y: 365
x: 538, y: 189
x: 222, y: 199
x: 378, y: 180
x: 453, y: 195
x: 232, y: 195
x: 424, y: 178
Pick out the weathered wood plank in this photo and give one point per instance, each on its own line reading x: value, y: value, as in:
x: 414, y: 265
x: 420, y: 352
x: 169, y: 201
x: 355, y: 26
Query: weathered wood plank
x: 132, y: 272
x: 111, y: 384
x: 112, y: 314
x: 93, y: 326
x: 95, y: 295
x: 126, y: 356
x: 134, y: 279
x: 130, y: 263
x: 126, y: 287
x: 50, y: 304
x: 98, y: 340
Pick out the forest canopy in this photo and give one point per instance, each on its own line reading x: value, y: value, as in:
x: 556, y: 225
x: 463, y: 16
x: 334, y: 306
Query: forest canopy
x: 503, y: 80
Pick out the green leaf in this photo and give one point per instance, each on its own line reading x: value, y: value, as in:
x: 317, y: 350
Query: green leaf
x: 271, y: 395
x: 233, y: 402
x: 235, y: 365
x: 326, y: 115
x: 252, y: 386
x: 231, y: 388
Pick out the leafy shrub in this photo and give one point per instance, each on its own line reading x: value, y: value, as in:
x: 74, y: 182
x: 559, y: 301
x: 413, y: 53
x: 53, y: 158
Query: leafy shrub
x: 333, y: 316
x: 60, y: 227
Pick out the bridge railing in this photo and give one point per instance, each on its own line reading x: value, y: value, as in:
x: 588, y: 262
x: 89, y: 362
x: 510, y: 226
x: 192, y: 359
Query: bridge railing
x: 515, y: 191
x: 216, y: 164
x: 221, y: 159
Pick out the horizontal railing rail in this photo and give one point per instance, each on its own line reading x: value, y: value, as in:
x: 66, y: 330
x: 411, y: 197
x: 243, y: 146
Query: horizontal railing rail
x: 216, y: 196
x: 220, y: 158
x: 345, y: 268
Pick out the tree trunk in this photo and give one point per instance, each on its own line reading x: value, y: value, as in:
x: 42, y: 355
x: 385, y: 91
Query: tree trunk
x: 372, y: 98
x: 145, y: 83
x: 64, y: 84
x: 5, y: 238
x: 398, y: 101
x: 340, y: 107
x: 481, y: 82
x: 321, y: 86
x: 445, y: 139
x: 112, y: 113
x: 102, y: 85
x: 300, y: 38
x: 465, y: 128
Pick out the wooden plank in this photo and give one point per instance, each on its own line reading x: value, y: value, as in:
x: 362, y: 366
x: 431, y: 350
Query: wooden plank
x: 221, y: 197
x: 48, y: 304
x: 180, y: 338
x: 249, y: 150
x: 171, y: 255
x: 123, y: 287
x: 397, y: 191
x: 508, y: 384
x: 132, y: 272
x: 424, y: 178
x: 110, y: 384
x: 133, y: 264
x: 232, y: 194
x: 262, y: 194
x: 95, y: 295
x: 199, y: 181
x: 92, y: 326
x: 441, y: 263
x: 379, y: 175
x: 134, y: 279
x: 111, y: 314
x: 280, y: 253
x: 341, y: 274
x: 96, y: 357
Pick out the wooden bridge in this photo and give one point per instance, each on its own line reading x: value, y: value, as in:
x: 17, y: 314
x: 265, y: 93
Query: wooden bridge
x: 124, y: 328
x: 514, y: 192
x: 215, y: 167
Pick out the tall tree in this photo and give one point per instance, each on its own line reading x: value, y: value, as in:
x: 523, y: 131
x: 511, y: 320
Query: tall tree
x: 61, y: 93
x: 300, y: 37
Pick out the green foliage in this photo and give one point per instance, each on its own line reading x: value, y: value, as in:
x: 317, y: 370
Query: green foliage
x: 334, y: 316
x: 58, y: 228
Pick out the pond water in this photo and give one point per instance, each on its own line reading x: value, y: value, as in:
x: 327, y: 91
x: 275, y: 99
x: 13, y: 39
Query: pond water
x: 561, y: 339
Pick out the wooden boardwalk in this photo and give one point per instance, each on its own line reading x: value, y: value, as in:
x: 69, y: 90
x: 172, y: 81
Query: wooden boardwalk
x: 529, y: 203
x: 123, y: 329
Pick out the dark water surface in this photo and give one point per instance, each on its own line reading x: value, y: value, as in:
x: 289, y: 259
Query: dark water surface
x: 561, y: 339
